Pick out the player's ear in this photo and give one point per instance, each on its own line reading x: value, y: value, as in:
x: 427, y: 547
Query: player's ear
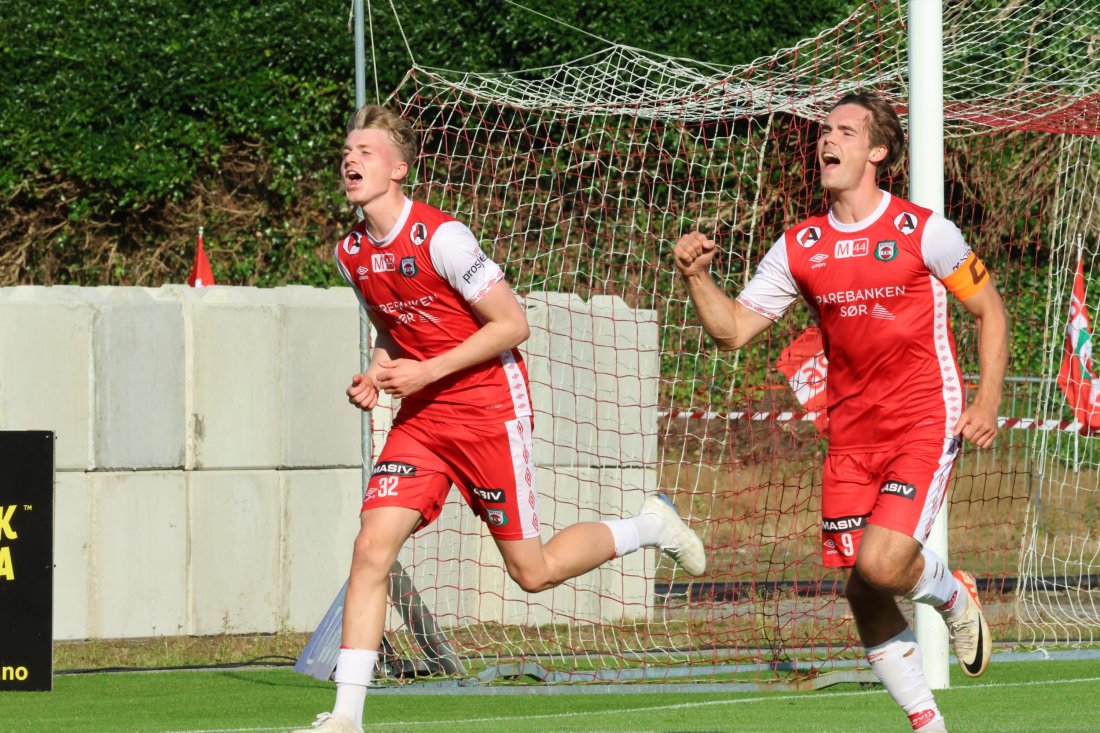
x: 400, y: 171
x: 878, y: 153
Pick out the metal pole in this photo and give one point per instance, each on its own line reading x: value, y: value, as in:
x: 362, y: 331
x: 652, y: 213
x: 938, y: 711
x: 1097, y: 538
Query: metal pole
x: 926, y: 189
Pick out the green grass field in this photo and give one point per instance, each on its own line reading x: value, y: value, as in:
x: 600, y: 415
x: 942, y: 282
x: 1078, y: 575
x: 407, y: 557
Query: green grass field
x: 1019, y: 696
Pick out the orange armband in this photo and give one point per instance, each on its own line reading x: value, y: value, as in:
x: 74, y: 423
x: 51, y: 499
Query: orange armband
x: 970, y: 277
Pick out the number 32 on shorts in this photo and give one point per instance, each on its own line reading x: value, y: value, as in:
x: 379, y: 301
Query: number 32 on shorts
x: 387, y: 486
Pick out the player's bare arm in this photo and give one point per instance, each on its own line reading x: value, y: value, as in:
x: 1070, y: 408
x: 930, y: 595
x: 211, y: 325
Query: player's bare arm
x: 363, y: 392
x: 729, y: 323
x: 505, y: 327
x: 978, y: 423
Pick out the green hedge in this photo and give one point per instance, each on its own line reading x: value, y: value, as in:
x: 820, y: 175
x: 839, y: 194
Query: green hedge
x: 125, y: 124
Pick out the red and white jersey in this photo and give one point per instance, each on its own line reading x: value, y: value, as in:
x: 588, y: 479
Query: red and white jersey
x: 878, y: 289
x: 420, y: 282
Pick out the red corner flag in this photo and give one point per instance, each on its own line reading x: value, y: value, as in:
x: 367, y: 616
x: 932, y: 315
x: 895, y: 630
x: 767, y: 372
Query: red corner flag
x: 804, y: 365
x: 1077, y: 377
x: 201, y: 274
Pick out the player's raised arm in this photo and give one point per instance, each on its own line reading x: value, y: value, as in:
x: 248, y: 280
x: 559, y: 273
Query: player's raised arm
x: 729, y: 323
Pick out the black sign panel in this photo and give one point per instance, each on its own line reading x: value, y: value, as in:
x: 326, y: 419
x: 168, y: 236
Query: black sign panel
x: 26, y: 560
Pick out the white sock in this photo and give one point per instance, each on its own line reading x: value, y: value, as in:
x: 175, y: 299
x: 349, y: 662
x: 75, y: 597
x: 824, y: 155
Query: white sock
x: 354, y: 670
x: 897, y: 663
x: 643, y: 530
x: 938, y: 587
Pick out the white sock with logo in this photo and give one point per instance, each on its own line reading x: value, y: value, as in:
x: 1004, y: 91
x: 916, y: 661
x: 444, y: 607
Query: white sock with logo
x: 643, y: 530
x: 354, y: 671
x: 897, y: 664
x: 938, y: 587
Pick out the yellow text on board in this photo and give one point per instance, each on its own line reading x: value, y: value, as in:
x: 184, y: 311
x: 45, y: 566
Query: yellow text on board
x: 7, y: 532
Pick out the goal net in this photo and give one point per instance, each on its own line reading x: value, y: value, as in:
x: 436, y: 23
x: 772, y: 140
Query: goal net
x: 579, y: 178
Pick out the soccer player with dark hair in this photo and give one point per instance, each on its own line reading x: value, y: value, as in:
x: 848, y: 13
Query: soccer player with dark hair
x: 448, y: 328
x: 875, y: 271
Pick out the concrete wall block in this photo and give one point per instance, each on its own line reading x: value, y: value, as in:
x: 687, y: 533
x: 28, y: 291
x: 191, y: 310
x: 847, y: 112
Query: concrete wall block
x: 138, y: 558
x: 628, y: 372
x: 46, y: 367
x: 72, y: 549
x: 320, y: 428
x: 140, y: 414
x: 236, y: 400
x: 560, y: 360
x: 321, y: 517
x: 236, y: 552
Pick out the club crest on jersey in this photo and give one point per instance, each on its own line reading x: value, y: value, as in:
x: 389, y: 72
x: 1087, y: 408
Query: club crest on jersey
x: 351, y: 243
x: 905, y: 223
x: 382, y: 262
x: 418, y: 233
x: 408, y: 266
x: 808, y: 237
x: 886, y: 250
x: 496, y: 517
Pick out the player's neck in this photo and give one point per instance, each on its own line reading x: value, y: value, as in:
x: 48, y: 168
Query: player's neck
x: 382, y: 213
x: 855, y: 205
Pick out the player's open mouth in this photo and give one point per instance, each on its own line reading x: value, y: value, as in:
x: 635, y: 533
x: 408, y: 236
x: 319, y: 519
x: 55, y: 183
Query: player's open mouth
x: 829, y: 159
x: 352, y: 177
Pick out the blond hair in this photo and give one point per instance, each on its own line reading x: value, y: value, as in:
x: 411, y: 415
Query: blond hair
x: 398, y: 129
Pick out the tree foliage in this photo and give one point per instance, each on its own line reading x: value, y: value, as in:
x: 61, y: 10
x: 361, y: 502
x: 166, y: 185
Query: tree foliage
x: 126, y: 124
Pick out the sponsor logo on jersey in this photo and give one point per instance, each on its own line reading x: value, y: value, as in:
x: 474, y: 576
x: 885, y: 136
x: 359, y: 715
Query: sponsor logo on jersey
x: 882, y: 292
x: 351, y: 243
x: 905, y: 223
x: 362, y: 272
x: 843, y: 524
x: 886, y: 250
x: 819, y: 260
x: 418, y: 233
x: 382, y: 262
x: 496, y: 517
x: 808, y: 237
x: 479, y: 264
x: 852, y: 248
x: 408, y: 266
x: 393, y: 468
x: 879, y: 312
x: 489, y: 496
x: 897, y: 488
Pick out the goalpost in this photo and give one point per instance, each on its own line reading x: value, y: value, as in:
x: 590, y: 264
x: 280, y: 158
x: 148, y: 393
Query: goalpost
x: 579, y: 178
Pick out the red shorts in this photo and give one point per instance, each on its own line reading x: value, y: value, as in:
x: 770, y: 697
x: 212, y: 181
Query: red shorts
x: 900, y: 489
x: 492, y: 465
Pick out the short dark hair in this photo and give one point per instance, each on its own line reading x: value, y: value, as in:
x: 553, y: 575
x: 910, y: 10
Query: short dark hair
x: 884, y: 129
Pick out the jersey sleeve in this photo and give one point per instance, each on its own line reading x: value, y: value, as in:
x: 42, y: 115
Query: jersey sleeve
x: 772, y: 289
x: 949, y: 257
x: 457, y: 256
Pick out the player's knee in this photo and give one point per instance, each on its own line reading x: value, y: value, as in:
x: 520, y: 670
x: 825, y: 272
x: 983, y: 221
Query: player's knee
x: 532, y: 580
x: 881, y: 573
x: 370, y: 555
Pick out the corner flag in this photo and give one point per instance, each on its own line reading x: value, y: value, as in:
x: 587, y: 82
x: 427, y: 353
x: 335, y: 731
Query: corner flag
x: 804, y: 365
x: 201, y: 274
x: 1078, y: 377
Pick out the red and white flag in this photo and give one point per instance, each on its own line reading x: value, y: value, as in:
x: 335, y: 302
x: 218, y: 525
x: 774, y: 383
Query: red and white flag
x: 201, y: 274
x: 1077, y: 377
x: 804, y: 365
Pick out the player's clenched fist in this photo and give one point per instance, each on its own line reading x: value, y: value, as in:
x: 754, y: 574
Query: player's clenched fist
x: 693, y: 253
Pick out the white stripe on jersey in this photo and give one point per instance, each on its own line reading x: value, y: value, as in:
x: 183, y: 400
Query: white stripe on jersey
x: 523, y: 464
x: 941, y: 338
x: 937, y: 489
